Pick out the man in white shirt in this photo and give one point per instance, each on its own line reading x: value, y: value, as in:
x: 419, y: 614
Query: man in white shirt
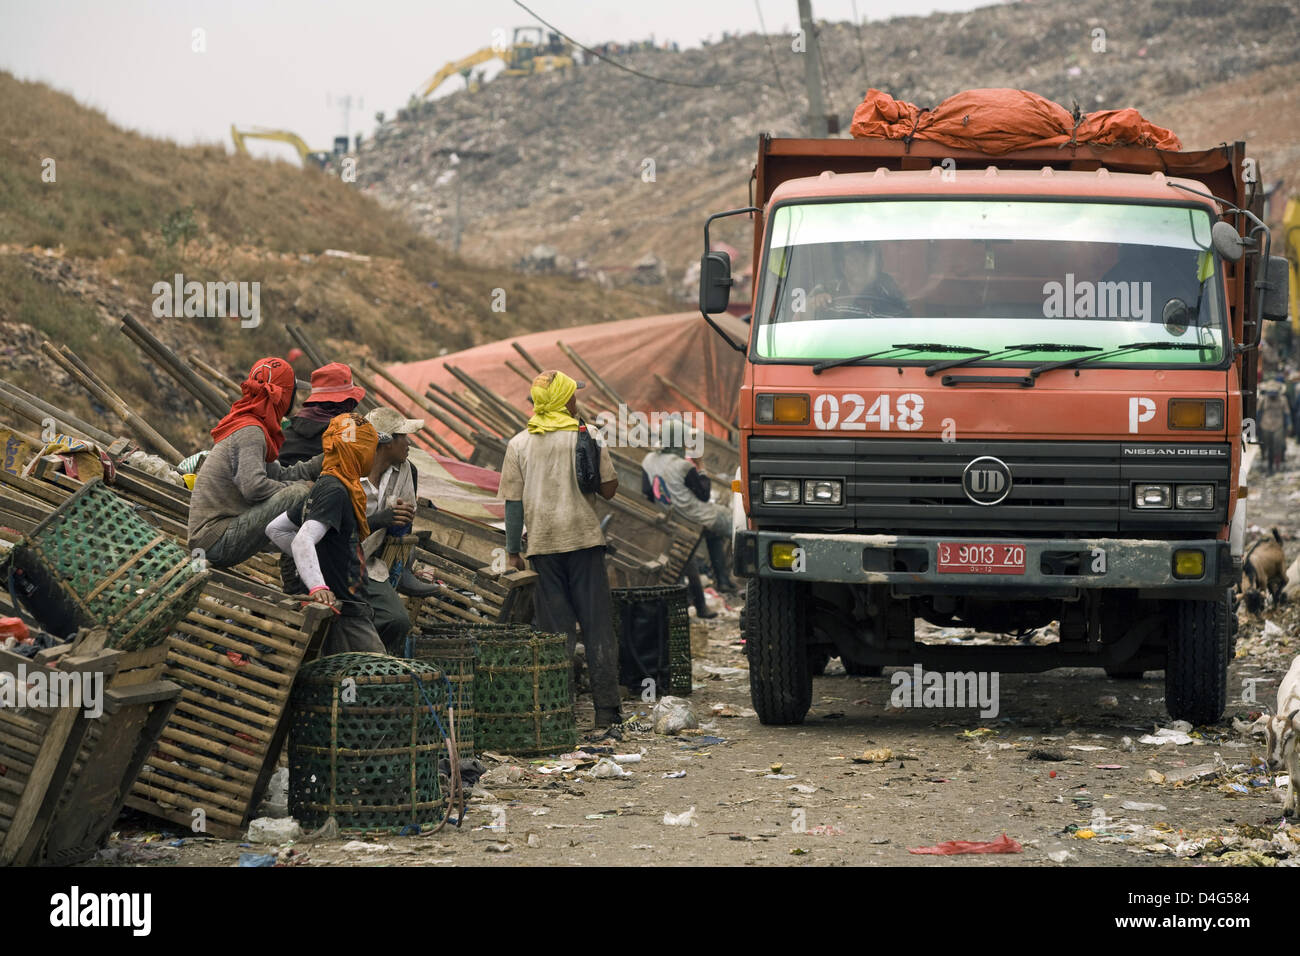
x: 566, y: 546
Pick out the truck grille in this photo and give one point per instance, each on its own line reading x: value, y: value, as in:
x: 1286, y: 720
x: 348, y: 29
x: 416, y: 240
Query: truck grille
x: 915, y: 486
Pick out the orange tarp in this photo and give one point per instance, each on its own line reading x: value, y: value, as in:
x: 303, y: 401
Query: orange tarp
x: 998, y: 121
x: 626, y: 354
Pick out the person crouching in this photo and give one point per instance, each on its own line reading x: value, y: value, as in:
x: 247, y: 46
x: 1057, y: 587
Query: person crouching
x: 325, y: 532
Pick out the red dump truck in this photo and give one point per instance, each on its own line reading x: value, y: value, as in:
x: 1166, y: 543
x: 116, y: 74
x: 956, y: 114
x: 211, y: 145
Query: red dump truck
x: 996, y: 391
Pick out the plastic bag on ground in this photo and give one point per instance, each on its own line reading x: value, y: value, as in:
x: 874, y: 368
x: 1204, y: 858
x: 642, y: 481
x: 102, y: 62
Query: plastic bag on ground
x: 1002, y: 844
x: 672, y: 715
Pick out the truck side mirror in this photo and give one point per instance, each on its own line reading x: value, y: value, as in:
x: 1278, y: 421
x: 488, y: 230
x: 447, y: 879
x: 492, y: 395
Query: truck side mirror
x: 1276, y: 290
x: 1227, y: 243
x: 715, y: 282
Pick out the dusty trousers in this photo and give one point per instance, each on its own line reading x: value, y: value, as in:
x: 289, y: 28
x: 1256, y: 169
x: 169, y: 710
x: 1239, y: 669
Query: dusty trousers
x: 573, y: 589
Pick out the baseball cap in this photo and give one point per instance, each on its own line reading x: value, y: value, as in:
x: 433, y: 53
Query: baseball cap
x: 389, y: 422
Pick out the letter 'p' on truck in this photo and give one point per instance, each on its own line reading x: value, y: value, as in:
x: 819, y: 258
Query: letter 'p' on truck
x: 996, y: 390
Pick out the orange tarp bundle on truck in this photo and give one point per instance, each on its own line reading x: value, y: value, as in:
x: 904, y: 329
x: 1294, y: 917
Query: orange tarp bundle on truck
x: 1001, y: 120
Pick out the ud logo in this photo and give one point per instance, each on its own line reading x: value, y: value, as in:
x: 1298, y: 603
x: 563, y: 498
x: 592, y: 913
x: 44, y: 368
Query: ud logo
x: 986, y: 481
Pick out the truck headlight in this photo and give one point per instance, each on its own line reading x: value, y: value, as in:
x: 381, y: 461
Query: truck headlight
x: 1151, y: 496
x: 780, y: 409
x: 821, y: 491
x: 1203, y: 413
x: 1194, y: 497
x: 781, y: 491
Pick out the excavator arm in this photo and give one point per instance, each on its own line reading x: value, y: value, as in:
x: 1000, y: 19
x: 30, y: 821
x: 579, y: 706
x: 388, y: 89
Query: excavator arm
x: 1291, y: 243
x: 305, y: 153
x: 451, y: 69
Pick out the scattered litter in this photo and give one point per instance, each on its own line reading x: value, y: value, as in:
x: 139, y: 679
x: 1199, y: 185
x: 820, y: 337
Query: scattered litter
x: 825, y: 830
x: 503, y: 776
x: 359, y: 846
x: 1111, y: 766
x: 1086, y: 747
x: 257, y: 859
x: 628, y: 758
x: 274, y: 831
x: 1002, y: 844
x: 1041, y: 753
x: 328, y: 831
x: 803, y: 788
x: 1061, y: 856
x: 675, y: 775
x: 684, y: 819
x: 725, y: 673
x: 704, y: 741
x: 1167, y: 735
x: 1126, y: 744
x: 671, y: 715
x: 778, y: 776
x: 1155, y: 776
x: 726, y: 710
x: 499, y: 847
x: 1272, y: 631
x: 976, y: 733
x: 882, y: 755
x: 533, y: 839
x: 1108, y: 702
x: 1139, y: 807
x: 606, y: 769
x: 798, y: 851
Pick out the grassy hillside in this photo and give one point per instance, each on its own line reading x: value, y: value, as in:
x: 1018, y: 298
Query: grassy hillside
x: 125, y: 211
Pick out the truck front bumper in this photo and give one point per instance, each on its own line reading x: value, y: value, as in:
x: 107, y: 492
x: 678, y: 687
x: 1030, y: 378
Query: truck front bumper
x: 1052, y: 566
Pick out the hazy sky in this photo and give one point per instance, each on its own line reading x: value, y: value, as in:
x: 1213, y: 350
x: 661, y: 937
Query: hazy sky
x: 288, y: 63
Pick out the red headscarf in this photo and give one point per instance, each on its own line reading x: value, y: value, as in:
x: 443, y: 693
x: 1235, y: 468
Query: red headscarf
x: 267, y: 395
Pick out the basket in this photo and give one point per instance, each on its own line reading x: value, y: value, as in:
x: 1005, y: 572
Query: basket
x: 95, y: 562
x: 364, y: 744
x: 667, y: 611
x: 455, y: 657
x: 522, y: 694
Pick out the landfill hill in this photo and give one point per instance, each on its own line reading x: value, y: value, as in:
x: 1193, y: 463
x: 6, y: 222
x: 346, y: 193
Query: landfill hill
x: 78, y: 252
x: 566, y: 155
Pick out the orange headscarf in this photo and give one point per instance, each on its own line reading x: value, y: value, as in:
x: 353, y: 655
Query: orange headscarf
x: 267, y: 395
x: 349, y: 443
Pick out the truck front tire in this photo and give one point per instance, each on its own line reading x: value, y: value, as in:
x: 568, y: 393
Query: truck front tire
x: 776, y: 625
x: 1196, y: 669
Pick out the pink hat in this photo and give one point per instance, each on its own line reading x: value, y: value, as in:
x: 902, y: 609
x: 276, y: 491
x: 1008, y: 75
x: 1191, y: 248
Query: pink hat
x: 333, y: 383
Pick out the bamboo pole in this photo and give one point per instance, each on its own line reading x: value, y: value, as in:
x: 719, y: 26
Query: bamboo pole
x: 696, y: 402
x: 428, y: 437
x: 36, y: 410
x: 508, y: 412
x: 518, y: 371
x: 526, y: 357
x: 229, y: 384
x: 105, y: 395
x: 421, y: 405
x: 167, y: 360
x: 455, y: 407
x: 305, y: 343
x: 591, y: 373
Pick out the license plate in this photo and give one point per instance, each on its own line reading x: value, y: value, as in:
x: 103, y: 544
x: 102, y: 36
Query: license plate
x: 966, y: 558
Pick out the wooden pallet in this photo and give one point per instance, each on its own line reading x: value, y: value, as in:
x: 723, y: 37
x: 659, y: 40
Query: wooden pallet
x: 65, y: 774
x: 468, y: 589
x: 235, y: 657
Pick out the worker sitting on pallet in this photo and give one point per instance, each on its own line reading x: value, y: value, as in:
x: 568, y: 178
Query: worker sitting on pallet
x: 683, y: 482
x: 391, y: 486
x: 324, y: 535
x: 240, y: 486
x: 332, y: 394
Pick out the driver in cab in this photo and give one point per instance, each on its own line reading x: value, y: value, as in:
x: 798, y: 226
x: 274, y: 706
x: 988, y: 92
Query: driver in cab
x: 863, y: 288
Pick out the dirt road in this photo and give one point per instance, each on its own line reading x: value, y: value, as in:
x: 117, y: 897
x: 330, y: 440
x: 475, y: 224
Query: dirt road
x: 1060, y: 769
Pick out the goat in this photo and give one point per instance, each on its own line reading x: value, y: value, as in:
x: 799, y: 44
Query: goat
x: 1280, y: 731
x: 1263, y: 569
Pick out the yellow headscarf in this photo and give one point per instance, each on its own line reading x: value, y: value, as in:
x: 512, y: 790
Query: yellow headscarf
x: 551, y: 392
x: 349, y: 443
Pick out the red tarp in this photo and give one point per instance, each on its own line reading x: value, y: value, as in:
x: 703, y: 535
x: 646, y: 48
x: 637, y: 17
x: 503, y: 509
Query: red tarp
x: 999, y: 121
x: 626, y: 354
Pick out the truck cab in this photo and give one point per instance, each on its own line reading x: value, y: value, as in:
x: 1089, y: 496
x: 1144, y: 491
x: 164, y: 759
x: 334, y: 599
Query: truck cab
x: 997, y: 393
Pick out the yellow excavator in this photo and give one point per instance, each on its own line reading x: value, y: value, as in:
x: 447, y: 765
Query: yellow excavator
x: 526, y: 54
x: 320, y: 158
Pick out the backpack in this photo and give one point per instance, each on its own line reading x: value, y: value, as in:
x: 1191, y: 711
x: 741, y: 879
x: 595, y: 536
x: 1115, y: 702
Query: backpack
x: 586, y: 460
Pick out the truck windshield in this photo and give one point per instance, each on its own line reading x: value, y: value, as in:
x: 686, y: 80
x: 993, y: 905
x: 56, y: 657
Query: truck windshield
x: 848, y: 278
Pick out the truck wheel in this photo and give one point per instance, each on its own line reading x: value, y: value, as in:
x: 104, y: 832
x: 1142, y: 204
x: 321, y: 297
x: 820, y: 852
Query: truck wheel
x: 861, y: 670
x: 780, y: 683
x: 1196, y: 667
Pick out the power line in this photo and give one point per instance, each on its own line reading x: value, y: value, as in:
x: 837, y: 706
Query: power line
x: 624, y: 68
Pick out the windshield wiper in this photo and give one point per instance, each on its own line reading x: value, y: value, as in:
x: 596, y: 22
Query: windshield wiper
x: 909, y: 346
x: 1025, y: 347
x: 1131, y: 347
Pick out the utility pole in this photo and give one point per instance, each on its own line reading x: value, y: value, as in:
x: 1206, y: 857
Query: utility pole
x: 812, y: 74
